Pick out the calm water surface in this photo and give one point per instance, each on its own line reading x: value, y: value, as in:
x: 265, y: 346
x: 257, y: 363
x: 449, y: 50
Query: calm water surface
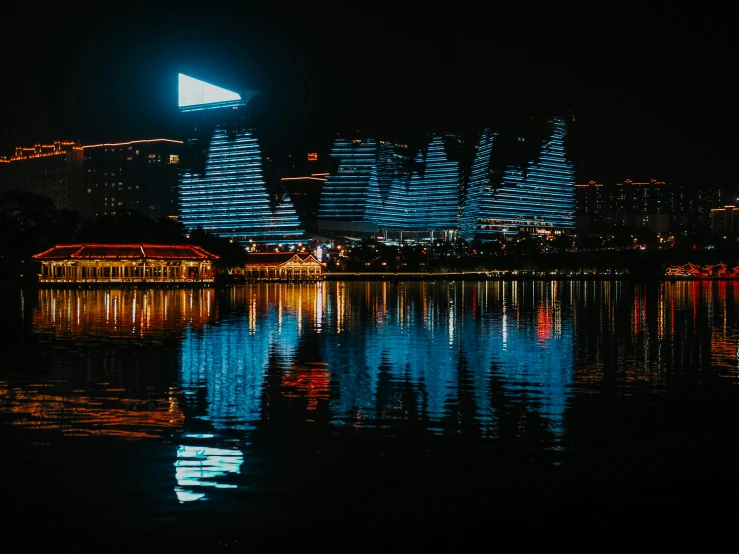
x: 370, y: 416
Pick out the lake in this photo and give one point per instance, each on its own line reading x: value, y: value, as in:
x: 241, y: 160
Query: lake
x: 370, y: 416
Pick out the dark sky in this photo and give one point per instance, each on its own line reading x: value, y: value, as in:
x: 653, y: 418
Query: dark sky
x: 652, y: 89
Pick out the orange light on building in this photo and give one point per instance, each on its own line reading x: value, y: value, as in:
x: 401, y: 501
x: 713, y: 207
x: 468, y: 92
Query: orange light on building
x: 130, y: 142
x: 312, y: 156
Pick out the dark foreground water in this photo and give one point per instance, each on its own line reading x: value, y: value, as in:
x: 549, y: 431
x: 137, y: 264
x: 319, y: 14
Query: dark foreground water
x: 370, y: 417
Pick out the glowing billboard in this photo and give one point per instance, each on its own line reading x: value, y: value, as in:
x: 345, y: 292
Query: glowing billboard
x: 193, y: 92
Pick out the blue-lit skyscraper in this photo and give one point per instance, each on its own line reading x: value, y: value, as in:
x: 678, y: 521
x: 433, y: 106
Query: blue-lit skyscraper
x: 397, y: 210
x: 538, y: 198
x: 427, y: 199
x: 343, y: 204
x: 222, y: 188
x: 388, y: 166
x: 477, y: 186
x: 437, y: 189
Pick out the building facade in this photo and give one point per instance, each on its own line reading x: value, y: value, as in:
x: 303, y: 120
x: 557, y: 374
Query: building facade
x: 222, y: 189
x: 135, y: 177
x: 538, y: 198
x: 725, y: 222
x: 658, y: 205
x: 425, y: 201
x: 283, y: 266
x: 343, y: 203
x: 692, y: 205
x: 479, y: 186
x: 591, y: 204
x: 305, y: 193
x: 647, y: 204
x: 386, y: 188
x: 125, y: 264
x: 55, y: 171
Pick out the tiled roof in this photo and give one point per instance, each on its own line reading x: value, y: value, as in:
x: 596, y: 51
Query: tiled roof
x: 109, y: 251
x: 58, y: 252
x: 269, y: 258
x: 178, y: 251
x: 125, y: 252
x: 307, y: 257
x: 278, y: 258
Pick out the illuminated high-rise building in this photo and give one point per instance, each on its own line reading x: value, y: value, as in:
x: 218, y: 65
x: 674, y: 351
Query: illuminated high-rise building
x: 135, y: 177
x: 222, y: 188
x: 388, y: 203
x: 54, y: 171
x: 427, y: 200
x: 636, y: 204
x: 538, y: 198
x: 394, y: 161
x: 591, y: 203
x: 396, y: 210
x: 477, y: 186
x: 343, y: 204
x: 437, y: 189
x: 725, y: 221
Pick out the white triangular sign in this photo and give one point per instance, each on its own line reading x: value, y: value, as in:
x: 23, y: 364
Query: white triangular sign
x: 195, y: 91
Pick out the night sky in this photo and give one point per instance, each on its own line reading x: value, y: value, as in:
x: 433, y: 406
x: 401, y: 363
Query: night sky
x: 652, y: 91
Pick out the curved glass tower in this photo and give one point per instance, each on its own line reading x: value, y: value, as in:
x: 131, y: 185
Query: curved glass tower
x: 437, y: 191
x: 344, y: 195
x: 397, y: 211
x: 222, y: 190
x: 478, y: 185
x: 428, y: 200
x: 539, y: 198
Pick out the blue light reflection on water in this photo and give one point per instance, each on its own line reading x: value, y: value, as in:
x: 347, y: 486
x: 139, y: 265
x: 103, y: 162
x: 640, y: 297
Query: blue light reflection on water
x: 206, y: 371
x: 423, y: 338
x: 436, y: 339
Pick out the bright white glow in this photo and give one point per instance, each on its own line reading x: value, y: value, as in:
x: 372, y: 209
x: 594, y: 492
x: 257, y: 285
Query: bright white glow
x: 194, y: 92
x: 199, y: 466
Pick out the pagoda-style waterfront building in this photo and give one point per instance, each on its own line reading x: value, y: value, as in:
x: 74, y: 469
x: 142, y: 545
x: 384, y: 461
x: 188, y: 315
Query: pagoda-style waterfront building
x: 126, y: 264
x: 283, y: 266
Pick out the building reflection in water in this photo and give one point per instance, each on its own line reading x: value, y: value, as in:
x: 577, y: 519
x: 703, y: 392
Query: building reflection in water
x: 423, y: 334
x: 122, y: 313
x: 223, y: 367
x: 197, y: 467
x: 496, y: 360
x: 102, y: 361
x: 370, y: 348
x: 680, y: 334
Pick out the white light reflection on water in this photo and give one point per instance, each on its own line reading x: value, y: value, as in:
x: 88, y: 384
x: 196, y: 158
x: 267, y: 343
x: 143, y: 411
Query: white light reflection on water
x: 200, y: 466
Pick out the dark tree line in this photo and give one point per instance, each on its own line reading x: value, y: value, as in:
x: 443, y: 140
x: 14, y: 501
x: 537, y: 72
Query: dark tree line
x: 30, y: 224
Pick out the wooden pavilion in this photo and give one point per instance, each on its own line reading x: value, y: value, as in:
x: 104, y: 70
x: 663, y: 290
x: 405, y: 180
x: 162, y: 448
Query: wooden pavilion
x: 126, y: 263
x: 283, y: 266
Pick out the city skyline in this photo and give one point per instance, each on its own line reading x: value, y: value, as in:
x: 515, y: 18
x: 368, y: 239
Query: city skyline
x: 650, y: 97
